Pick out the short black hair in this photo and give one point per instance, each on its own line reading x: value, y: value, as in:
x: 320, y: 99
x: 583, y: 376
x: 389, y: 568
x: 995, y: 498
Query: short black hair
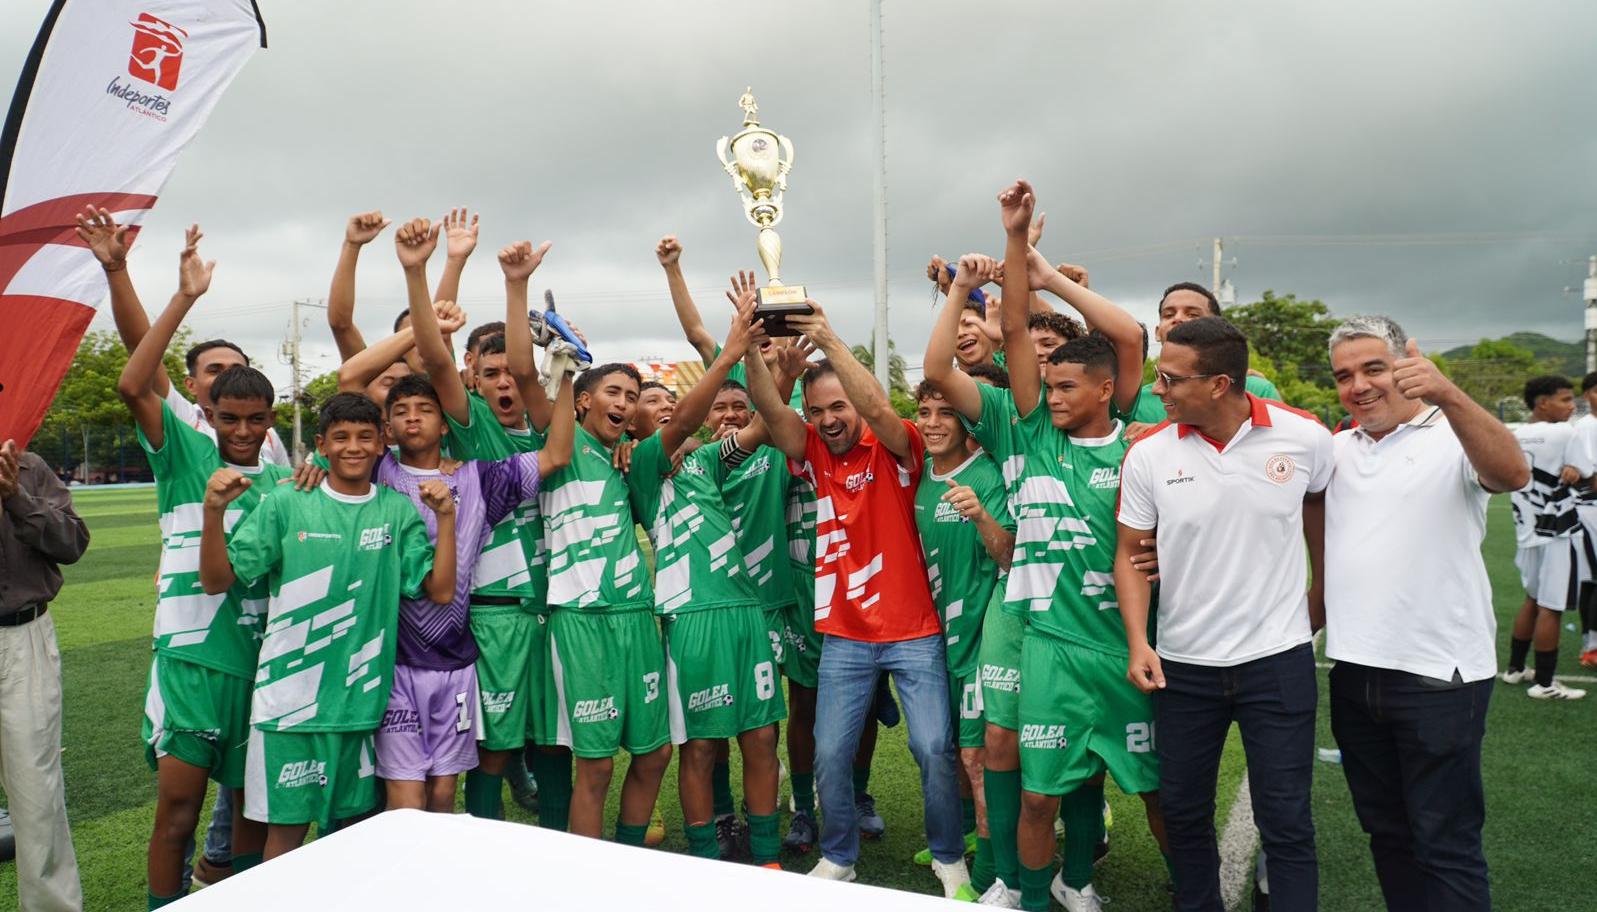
x: 192, y: 358
x: 241, y: 382
x: 816, y: 371
x: 590, y: 378
x: 411, y: 385
x: 354, y: 408
x: 489, y: 345
x: 730, y: 384
x: 1589, y: 382
x: 496, y: 328
x: 1214, y: 303
x: 1221, y: 348
x: 992, y: 373
x: 1064, y: 327
x: 1092, y: 352
x: 400, y: 318
x: 655, y: 384
x: 927, y: 388
x: 1545, y: 385
x: 979, y: 308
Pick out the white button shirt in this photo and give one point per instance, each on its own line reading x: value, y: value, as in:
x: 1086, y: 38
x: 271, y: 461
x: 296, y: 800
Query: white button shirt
x: 1233, y: 569
x: 1405, y: 586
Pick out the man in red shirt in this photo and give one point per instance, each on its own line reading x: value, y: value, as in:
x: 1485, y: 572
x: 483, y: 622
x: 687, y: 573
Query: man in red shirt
x: 872, y: 601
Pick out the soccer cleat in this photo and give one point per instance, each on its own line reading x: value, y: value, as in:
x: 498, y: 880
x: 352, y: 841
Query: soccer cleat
x: 772, y: 866
x: 731, y: 835
x: 827, y: 870
x: 965, y: 893
x: 1084, y: 900
x: 1000, y: 895
x: 655, y: 834
x: 207, y: 872
x: 954, y: 876
x: 1589, y: 658
x: 802, y: 834
x: 924, y: 856
x: 1518, y: 676
x: 8, y: 838
x: 1554, y: 691
x: 523, y: 788
x: 871, y: 824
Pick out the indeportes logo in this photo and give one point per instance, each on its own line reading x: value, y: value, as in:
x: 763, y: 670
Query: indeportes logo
x: 157, y: 53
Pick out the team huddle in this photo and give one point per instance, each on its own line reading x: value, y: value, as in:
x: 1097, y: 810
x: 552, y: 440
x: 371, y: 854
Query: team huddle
x: 454, y: 582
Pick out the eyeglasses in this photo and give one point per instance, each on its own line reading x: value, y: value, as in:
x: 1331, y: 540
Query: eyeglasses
x: 1169, y: 380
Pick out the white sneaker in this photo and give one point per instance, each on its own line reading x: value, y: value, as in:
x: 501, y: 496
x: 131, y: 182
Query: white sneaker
x: 953, y: 875
x: 828, y: 870
x: 1518, y: 677
x: 1554, y: 691
x: 1084, y: 900
x: 1000, y: 895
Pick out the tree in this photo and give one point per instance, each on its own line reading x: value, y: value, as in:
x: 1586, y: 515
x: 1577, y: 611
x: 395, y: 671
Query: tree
x: 1493, y: 372
x: 315, y: 393
x: 898, y: 391
x: 87, y: 419
x: 1293, y: 335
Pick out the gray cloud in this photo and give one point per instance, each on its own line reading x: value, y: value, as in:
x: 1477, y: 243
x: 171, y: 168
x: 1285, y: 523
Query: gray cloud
x: 1294, y: 130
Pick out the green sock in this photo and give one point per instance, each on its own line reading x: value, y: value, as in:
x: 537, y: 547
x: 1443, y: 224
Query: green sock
x: 721, y: 788
x: 967, y: 809
x: 804, y: 793
x: 981, y: 867
x: 552, y: 769
x: 1003, y: 822
x: 485, y: 795
x: 1034, y: 887
x: 765, y: 842
x: 1082, y: 812
x: 246, y: 861
x: 157, y: 902
x: 862, y: 780
x: 701, y: 839
x: 626, y: 834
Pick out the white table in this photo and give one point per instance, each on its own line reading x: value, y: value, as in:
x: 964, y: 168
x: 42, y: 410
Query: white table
x: 454, y: 863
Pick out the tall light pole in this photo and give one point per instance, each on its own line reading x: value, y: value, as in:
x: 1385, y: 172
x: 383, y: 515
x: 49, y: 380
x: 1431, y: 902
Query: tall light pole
x: 881, y: 354
x: 1590, y: 293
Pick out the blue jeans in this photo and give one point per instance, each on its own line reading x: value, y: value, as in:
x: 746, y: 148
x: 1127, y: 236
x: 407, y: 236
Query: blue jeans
x: 1272, y: 700
x: 218, y: 836
x: 846, y: 691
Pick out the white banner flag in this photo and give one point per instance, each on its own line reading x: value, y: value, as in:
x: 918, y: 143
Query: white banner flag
x: 109, y: 95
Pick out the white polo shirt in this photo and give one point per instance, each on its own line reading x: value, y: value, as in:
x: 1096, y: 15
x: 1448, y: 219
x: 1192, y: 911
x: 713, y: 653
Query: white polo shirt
x: 1405, y: 585
x: 1233, y: 569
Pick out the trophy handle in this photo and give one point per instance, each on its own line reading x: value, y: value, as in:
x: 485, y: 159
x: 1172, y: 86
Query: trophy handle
x: 721, y: 147
x: 784, y: 164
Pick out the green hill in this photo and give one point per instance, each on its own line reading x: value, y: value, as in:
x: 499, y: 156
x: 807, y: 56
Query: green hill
x: 1565, y: 357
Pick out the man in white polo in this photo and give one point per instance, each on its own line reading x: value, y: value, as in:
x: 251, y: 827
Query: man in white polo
x: 1409, y: 618
x: 1233, y: 485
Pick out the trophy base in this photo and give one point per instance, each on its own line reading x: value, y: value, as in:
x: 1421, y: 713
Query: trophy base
x: 777, y: 303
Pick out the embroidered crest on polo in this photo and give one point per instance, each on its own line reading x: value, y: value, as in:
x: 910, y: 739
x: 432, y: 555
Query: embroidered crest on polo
x: 1279, y: 468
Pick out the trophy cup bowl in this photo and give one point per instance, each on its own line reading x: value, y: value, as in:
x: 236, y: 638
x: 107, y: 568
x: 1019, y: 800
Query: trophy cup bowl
x: 758, y: 160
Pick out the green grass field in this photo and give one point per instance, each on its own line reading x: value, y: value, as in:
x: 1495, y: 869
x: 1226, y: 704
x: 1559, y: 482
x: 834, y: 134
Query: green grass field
x: 1538, y: 757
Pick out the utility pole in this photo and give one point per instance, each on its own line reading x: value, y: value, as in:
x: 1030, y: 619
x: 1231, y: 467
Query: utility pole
x: 1591, y: 314
x: 881, y: 354
x: 1224, y: 292
x: 291, y: 354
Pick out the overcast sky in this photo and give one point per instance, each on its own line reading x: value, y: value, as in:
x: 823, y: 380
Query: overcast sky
x: 1429, y: 160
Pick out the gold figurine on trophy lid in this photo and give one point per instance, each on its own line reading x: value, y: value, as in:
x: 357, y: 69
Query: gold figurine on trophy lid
x: 758, y: 164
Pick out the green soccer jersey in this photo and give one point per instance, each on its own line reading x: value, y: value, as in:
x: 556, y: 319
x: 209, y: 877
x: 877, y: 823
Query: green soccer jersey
x: 961, y: 572
x: 514, y: 560
x: 337, y: 566
x: 1149, y: 410
x: 998, y: 432
x: 801, y: 508
x: 1062, y: 579
x: 756, y: 495
x: 217, y: 631
x: 698, y: 564
x: 595, y: 563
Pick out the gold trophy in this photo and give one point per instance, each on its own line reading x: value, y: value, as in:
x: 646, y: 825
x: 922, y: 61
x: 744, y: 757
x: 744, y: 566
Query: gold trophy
x: 759, y: 176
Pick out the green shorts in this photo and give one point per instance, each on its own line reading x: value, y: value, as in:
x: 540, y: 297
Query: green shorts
x: 720, y: 673
x: 541, y: 685
x: 608, y: 671
x: 776, y: 627
x: 295, y: 778
x: 505, y: 635
x: 1079, y: 716
x: 801, y: 645
x: 999, y: 661
x: 199, y: 715
x: 965, y: 704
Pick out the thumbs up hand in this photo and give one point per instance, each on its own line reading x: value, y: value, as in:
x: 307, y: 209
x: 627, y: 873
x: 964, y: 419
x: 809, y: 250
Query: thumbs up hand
x: 1418, y: 377
x: 964, y: 499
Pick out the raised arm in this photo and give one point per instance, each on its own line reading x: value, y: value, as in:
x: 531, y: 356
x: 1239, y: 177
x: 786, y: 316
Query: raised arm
x: 669, y: 253
x: 361, y: 368
x: 415, y: 241
x: 862, y: 390
x: 1025, y: 383
x: 518, y: 261
x: 556, y: 452
x: 216, y: 569
x: 460, y: 239
x: 956, y: 385
x: 1490, y: 447
x: 137, y: 385
x: 360, y: 230
x: 440, y: 582
x: 788, y: 431
x: 108, y: 241
x: 695, y: 406
x: 1101, y: 314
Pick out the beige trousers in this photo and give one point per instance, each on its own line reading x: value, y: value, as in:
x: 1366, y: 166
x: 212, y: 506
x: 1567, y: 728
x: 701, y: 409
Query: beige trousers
x: 30, y: 767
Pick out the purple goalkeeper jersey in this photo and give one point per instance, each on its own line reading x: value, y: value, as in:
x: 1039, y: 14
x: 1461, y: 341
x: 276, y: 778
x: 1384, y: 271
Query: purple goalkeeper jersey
x: 439, y: 636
